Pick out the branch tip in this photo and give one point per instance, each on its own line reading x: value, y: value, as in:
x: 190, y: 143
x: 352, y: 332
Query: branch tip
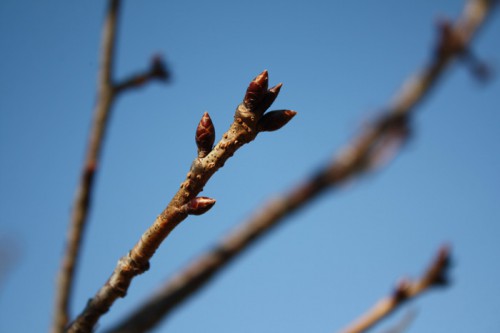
x: 159, y: 69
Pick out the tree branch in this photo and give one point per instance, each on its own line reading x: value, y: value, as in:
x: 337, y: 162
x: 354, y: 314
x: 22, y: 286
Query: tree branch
x: 249, y: 120
x: 106, y: 94
x: 374, y: 145
x: 435, y: 276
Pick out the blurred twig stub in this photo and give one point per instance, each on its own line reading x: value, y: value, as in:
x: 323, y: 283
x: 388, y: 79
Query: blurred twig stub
x: 434, y: 276
x: 107, y: 91
x: 375, y: 145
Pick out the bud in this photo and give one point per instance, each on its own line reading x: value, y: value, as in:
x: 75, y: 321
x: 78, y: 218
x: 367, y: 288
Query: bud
x: 205, y: 135
x: 268, y: 99
x: 158, y: 69
x: 199, y: 205
x: 274, y: 120
x: 256, y: 90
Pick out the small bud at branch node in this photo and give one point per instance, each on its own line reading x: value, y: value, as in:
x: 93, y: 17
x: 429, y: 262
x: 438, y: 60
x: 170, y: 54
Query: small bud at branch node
x: 199, y: 205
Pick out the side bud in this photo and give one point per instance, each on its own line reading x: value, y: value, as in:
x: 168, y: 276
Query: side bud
x: 198, y: 205
x: 256, y: 90
x: 205, y: 135
x: 275, y: 120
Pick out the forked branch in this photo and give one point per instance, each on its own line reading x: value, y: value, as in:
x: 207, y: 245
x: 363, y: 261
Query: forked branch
x: 249, y: 119
x: 106, y: 94
x: 435, y: 276
x: 374, y: 145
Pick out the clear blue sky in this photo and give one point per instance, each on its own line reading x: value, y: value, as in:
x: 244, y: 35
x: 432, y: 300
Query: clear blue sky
x: 340, y: 62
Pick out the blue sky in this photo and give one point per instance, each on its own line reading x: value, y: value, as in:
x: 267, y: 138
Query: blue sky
x: 340, y: 62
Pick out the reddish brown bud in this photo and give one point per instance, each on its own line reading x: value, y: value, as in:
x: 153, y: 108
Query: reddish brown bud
x: 274, y: 120
x: 199, y: 205
x: 256, y: 90
x: 205, y: 135
x: 268, y: 99
x: 158, y: 69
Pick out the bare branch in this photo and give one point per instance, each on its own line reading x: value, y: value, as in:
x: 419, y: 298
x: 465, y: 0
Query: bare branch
x: 243, y: 130
x: 374, y: 145
x: 105, y: 95
x: 435, y: 276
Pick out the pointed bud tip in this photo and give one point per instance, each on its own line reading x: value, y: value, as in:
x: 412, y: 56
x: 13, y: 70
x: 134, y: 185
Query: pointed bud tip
x: 206, y: 121
x: 264, y: 73
x: 276, y: 89
x: 262, y: 78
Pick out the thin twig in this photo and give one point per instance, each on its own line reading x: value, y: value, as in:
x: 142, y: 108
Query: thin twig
x: 249, y: 119
x: 106, y: 93
x: 435, y: 276
x: 365, y: 153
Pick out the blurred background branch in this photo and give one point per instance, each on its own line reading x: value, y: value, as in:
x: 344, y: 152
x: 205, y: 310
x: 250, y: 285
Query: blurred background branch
x: 106, y: 94
x: 436, y: 275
